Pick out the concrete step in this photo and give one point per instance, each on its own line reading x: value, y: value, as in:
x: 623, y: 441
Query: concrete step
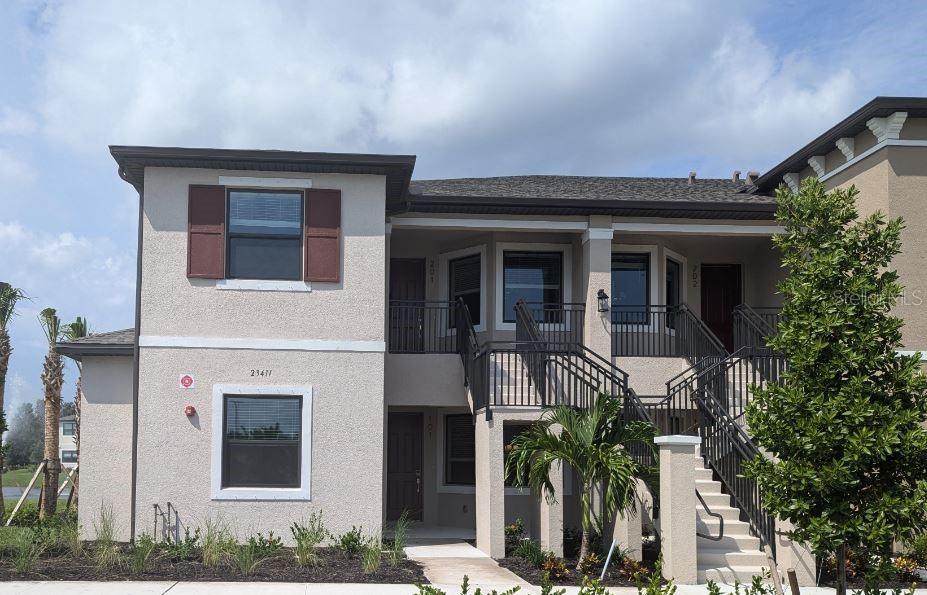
x: 707, y: 486
x: 730, y: 574
x: 702, y: 473
x: 728, y: 513
x: 730, y: 542
x: 713, y: 499
x: 716, y: 558
x: 712, y: 526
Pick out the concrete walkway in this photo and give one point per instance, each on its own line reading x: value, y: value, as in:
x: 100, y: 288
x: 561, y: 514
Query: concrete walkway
x: 445, y: 562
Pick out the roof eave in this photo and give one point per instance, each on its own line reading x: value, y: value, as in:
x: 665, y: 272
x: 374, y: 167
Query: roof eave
x: 78, y: 350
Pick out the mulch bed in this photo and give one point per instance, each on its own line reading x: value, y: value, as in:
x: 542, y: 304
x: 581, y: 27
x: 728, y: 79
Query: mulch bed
x: 333, y: 567
x: 829, y: 576
x: 533, y: 574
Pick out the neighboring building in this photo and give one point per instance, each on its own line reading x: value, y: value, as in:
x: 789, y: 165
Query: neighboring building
x: 301, y: 345
x: 67, y: 441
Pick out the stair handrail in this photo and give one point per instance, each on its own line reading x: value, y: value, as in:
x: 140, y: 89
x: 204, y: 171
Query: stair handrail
x: 714, y: 344
x: 759, y: 329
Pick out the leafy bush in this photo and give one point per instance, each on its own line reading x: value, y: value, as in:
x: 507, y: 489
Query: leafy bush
x: 141, y: 553
x: 218, y: 544
x: 106, y: 552
x: 917, y: 549
x: 655, y: 585
x: 465, y: 589
x: 371, y: 554
x: 397, y: 545
x: 547, y: 588
x: 307, y: 537
x: 184, y: 549
x: 591, y: 564
x: 514, y: 533
x: 530, y: 551
x: 265, y: 546
x: 246, y: 558
x: 555, y: 568
x: 350, y: 543
x: 592, y: 586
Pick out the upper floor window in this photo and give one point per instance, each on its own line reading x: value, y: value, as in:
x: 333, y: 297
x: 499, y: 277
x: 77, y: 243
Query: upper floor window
x: 68, y: 428
x: 68, y: 456
x: 536, y: 277
x: 265, y: 230
x: 464, y: 283
x: 631, y: 286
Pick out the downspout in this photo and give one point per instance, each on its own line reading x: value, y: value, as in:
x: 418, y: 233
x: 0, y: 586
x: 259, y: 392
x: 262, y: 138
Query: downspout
x: 135, y: 360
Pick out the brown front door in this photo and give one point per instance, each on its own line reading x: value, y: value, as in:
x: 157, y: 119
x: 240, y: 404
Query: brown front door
x: 406, y: 288
x: 404, y: 481
x: 721, y: 293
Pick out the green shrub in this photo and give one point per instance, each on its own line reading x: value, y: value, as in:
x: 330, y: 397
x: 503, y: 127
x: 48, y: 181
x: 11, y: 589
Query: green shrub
x: 530, y: 551
x: 465, y: 589
x: 246, y: 558
x: 592, y: 586
x: 547, y: 588
x: 514, y: 534
x: 372, y: 554
x: 397, y: 547
x: 187, y: 548
x: 218, y: 544
x: 106, y: 552
x: 655, y: 585
x: 308, y: 536
x: 350, y: 543
x: 555, y: 568
x: 265, y: 546
x: 141, y: 553
x: 917, y: 549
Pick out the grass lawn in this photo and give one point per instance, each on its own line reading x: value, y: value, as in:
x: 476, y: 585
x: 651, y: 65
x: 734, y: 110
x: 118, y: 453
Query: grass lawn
x: 20, y: 478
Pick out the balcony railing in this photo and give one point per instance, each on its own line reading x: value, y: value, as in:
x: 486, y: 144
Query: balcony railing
x: 556, y: 324
x: 754, y: 326
x: 661, y: 331
x: 422, y: 327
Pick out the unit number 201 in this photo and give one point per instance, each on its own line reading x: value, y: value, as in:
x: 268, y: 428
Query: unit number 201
x: 262, y: 373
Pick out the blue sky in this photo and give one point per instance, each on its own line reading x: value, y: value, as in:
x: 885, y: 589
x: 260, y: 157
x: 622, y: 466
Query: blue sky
x: 473, y: 88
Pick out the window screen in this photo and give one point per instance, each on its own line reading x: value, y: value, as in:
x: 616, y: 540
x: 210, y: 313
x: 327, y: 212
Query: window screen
x: 68, y: 428
x: 265, y: 235
x: 261, y: 441
x: 464, y: 282
x: 459, y: 450
x: 536, y: 277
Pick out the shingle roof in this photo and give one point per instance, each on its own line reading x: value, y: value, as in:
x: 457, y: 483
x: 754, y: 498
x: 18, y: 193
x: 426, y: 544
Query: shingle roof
x: 120, y: 342
x: 591, y: 188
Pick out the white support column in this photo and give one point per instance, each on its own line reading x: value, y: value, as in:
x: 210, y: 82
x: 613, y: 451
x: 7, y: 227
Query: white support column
x: 490, y: 487
x: 627, y: 533
x: 677, y: 507
x: 790, y: 554
x: 551, y: 514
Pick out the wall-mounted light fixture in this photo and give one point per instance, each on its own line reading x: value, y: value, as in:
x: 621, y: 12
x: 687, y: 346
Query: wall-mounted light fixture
x: 602, y: 297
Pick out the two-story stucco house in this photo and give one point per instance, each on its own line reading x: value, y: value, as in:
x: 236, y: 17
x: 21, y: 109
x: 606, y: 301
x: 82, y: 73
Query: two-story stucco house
x: 320, y: 331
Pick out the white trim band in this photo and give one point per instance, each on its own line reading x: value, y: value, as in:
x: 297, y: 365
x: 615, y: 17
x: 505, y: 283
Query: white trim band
x: 671, y: 440
x: 487, y: 224
x: 257, y: 182
x: 719, y: 229
x: 598, y: 233
x: 261, y: 344
x: 870, y: 151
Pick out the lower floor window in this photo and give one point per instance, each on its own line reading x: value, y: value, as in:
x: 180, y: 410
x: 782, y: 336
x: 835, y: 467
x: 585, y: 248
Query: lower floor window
x: 68, y: 456
x: 261, y: 441
x: 459, y: 450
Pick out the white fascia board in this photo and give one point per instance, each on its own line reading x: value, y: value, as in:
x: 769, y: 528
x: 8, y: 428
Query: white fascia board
x: 718, y: 229
x: 259, y: 182
x: 487, y: 224
x: 260, y: 344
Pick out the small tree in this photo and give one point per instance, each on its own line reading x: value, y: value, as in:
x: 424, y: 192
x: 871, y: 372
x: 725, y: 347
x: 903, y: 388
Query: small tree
x: 9, y: 297
x: 593, y: 441
x: 52, y: 379
x: 849, y: 452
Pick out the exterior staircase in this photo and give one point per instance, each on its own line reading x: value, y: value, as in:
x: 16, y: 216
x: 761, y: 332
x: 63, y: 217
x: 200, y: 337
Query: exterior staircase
x: 737, y: 555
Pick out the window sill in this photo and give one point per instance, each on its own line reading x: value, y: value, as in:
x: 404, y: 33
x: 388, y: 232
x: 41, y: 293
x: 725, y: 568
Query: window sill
x: 263, y: 285
x: 262, y: 494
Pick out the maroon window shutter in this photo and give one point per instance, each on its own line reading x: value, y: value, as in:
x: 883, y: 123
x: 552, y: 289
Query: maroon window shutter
x: 323, y: 235
x: 206, y: 232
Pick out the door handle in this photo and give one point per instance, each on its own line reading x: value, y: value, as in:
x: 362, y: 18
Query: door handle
x: 418, y: 481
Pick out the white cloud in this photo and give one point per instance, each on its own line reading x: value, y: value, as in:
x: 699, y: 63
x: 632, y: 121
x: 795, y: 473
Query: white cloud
x: 16, y: 122
x: 14, y: 170
x: 472, y: 87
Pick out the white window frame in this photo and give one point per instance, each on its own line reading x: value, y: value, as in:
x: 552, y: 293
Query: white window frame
x: 304, y: 491
x: 683, y: 288
x: 445, y: 488
x: 444, y: 280
x: 567, y: 276
x: 652, y: 273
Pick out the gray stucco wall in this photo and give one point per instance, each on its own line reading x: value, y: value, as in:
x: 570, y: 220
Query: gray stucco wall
x: 106, y: 443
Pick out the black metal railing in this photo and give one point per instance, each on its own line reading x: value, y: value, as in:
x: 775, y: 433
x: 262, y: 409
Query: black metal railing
x: 726, y: 448
x: 468, y: 344
x: 634, y: 409
x: 661, y: 331
x: 753, y: 328
x: 555, y: 323
x: 422, y: 327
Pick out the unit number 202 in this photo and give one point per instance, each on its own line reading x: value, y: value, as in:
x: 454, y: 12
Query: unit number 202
x: 262, y: 373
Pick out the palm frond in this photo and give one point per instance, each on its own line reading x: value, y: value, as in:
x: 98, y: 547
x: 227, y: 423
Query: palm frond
x: 9, y: 297
x: 51, y: 324
x: 77, y: 329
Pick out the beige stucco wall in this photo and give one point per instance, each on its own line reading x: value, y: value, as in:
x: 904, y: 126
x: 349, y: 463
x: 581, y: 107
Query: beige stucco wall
x: 425, y: 379
x: 106, y: 443
x: 347, y: 436
x: 352, y: 309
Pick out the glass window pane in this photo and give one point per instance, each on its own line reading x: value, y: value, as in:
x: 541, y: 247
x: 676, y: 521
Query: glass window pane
x: 673, y: 278
x: 261, y: 441
x: 536, y: 277
x: 265, y: 213
x: 464, y: 282
x: 265, y: 258
x: 630, y: 287
x: 459, y: 450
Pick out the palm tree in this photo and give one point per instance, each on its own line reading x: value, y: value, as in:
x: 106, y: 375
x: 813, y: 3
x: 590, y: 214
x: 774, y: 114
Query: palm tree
x: 77, y: 329
x: 52, y: 379
x: 9, y: 296
x: 593, y: 441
